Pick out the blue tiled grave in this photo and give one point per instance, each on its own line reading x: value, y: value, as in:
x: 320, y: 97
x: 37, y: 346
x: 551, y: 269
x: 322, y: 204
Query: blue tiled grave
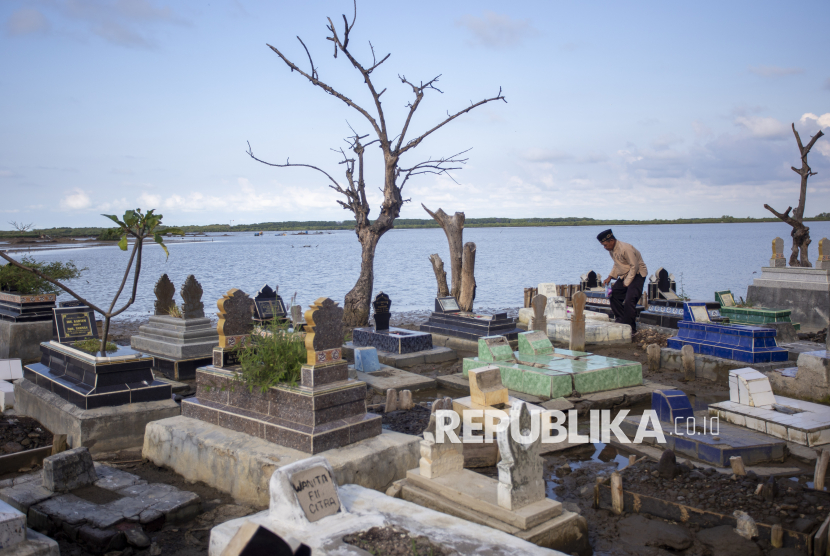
x: 748, y: 344
x: 671, y: 405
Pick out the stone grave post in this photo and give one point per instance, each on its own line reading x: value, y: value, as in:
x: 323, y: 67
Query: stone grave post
x: 539, y: 321
x: 520, y: 468
x: 234, y: 327
x: 823, y: 261
x: 778, y: 259
x: 164, y: 290
x: 577, y: 342
x: 381, y: 305
x: 191, y: 293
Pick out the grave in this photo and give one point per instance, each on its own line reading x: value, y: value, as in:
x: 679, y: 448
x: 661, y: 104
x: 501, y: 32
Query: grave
x: 515, y: 503
x: 823, y: 262
x: 809, y: 380
x: 268, y: 306
x: 99, y: 506
x: 17, y: 539
x: 694, y: 436
x: 10, y: 370
x: 539, y: 320
x: 449, y: 320
x: 779, y: 319
x: 539, y: 369
x: 667, y: 313
x: 178, y: 345
x: 380, y: 378
x: 234, y: 327
x: 25, y: 322
x: 753, y: 405
x: 99, y: 400
x: 326, y: 410
x: 307, y: 505
x: 799, y: 290
x: 397, y: 346
x: 557, y: 309
x: 662, y: 285
x: 738, y: 342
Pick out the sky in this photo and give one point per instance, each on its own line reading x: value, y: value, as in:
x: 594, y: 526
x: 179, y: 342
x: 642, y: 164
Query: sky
x: 632, y: 110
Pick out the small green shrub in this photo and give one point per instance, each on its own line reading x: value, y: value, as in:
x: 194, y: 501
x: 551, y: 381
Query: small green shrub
x: 18, y: 280
x: 93, y: 346
x: 110, y: 234
x: 273, y: 358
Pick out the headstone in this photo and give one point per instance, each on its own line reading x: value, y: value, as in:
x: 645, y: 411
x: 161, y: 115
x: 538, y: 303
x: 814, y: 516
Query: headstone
x: 687, y: 355
x: 486, y: 387
x: 590, y: 280
x: 381, y: 305
x: 495, y: 348
x: 366, y: 359
x: 69, y: 470
x: 268, y: 305
x: 235, y: 318
x: 823, y: 261
x: 191, y: 293
x: 438, y: 459
x: 391, y: 401
x: 653, y: 352
x: 73, y: 303
x: 74, y: 323
x: 446, y: 305
x: 164, y: 290
x: 750, y: 387
x: 405, y: 402
x: 777, y: 259
x: 557, y: 307
x: 577, y: 342
x: 550, y: 291
x: 538, y: 320
x: 520, y: 468
x: 324, y: 331
x: 316, y: 492
x: 296, y: 315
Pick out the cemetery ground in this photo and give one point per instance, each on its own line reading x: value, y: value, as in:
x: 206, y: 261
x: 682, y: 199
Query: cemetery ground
x: 570, y: 474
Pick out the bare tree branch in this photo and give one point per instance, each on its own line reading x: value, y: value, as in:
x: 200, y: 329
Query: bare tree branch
x: 310, y: 61
x: 21, y: 227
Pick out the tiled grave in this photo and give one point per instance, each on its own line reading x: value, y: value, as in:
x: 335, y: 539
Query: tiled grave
x: 516, y: 502
x: 798, y: 289
x: 307, y: 505
x: 392, y: 340
x: 794, y: 420
x: 662, y: 286
x: 702, y: 439
x: 540, y: 370
x: 741, y: 343
x: 751, y: 315
x: 26, y: 308
x: 449, y: 320
x: 597, y: 332
x: 667, y: 313
x: 179, y: 345
x: 326, y: 410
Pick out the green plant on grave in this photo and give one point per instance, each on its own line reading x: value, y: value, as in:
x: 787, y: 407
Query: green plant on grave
x: 93, y: 346
x: 14, y: 279
x: 274, y: 356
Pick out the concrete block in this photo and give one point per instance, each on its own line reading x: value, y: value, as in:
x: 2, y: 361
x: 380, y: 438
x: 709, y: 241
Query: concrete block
x: 106, y: 429
x: 6, y: 395
x: 69, y: 470
x: 366, y: 359
x: 11, y: 369
x: 388, y: 377
x: 12, y: 526
x: 21, y: 340
x: 241, y: 465
x: 36, y: 544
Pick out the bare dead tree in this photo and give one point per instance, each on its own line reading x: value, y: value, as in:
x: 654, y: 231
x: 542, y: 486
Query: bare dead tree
x: 462, y: 259
x: 20, y: 226
x: 393, y: 147
x: 800, y: 232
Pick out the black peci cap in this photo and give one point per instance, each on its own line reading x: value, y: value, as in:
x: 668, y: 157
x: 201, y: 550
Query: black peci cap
x: 606, y: 235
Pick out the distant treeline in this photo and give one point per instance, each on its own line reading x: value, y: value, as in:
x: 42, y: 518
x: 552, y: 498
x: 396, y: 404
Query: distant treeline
x: 400, y: 223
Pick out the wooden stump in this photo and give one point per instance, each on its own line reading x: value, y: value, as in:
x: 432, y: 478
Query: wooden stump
x: 440, y: 275
x: 468, y: 277
x: 616, y: 492
x: 577, y: 342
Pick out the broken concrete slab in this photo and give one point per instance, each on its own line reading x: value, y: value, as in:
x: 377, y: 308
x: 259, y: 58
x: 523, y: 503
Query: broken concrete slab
x: 69, y: 470
x: 242, y: 465
x: 386, y: 378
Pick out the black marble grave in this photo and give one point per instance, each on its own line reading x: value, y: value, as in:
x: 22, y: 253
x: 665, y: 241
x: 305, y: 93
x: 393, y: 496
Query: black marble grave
x: 16, y: 307
x: 393, y: 340
x: 668, y: 312
x: 268, y: 305
x: 89, y: 382
x: 663, y: 286
x: 449, y: 320
x: 597, y: 302
x: 382, y: 304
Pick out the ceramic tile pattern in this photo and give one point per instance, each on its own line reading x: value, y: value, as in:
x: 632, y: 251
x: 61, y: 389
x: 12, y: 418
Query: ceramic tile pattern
x: 559, y: 373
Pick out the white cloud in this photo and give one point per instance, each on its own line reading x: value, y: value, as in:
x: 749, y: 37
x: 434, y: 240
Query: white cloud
x: 494, y: 30
x: 665, y: 141
x: 77, y: 200
x: 823, y: 148
x: 774, y: 71
x: 765, y: 128
x: 822, y: 121
x: 26, y: 21
x: 545, y: 155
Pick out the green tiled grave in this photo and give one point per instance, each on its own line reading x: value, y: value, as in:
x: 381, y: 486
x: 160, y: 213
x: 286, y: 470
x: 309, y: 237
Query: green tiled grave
x: 540, y: 370
x: 750, y: 315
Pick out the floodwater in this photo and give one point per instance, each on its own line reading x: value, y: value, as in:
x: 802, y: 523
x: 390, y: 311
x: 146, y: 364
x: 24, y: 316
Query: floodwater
x: 703, y: 258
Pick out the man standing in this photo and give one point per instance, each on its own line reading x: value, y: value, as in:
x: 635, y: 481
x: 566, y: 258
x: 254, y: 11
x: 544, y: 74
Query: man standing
x: 630, y: 272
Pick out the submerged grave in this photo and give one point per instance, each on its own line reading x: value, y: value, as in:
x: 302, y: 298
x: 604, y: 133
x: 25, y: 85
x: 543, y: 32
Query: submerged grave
x: 179, y: 345
x: 539, y: 369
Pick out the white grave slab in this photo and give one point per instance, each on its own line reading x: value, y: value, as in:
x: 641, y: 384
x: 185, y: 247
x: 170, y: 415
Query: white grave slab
x: 6, y: 395
x: 359, y: 509
x: 10, y: 369
x: 12, y: 526
x: 750, y: 387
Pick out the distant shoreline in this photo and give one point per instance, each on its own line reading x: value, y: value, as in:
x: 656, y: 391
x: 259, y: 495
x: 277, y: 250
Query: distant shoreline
x: 407, y: 224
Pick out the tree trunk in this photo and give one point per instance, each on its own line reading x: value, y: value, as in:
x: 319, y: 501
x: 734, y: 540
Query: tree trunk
x: 454, y: 229
x: 801, y: 241
x: 440, y: 275
x: 468, y: 278
x: 356, y: 304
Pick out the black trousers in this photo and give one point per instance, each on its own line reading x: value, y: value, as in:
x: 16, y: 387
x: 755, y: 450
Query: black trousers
x: 624, y: 301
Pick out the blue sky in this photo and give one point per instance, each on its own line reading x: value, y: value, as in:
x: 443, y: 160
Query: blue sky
x: 615, y: 110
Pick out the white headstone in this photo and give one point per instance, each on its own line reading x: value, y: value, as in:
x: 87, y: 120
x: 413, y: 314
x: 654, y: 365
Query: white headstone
x: 304, y: 492
x: 520, y: 469
x: 10, y: 369
x: 750, y: 387
x: 557, y: 308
